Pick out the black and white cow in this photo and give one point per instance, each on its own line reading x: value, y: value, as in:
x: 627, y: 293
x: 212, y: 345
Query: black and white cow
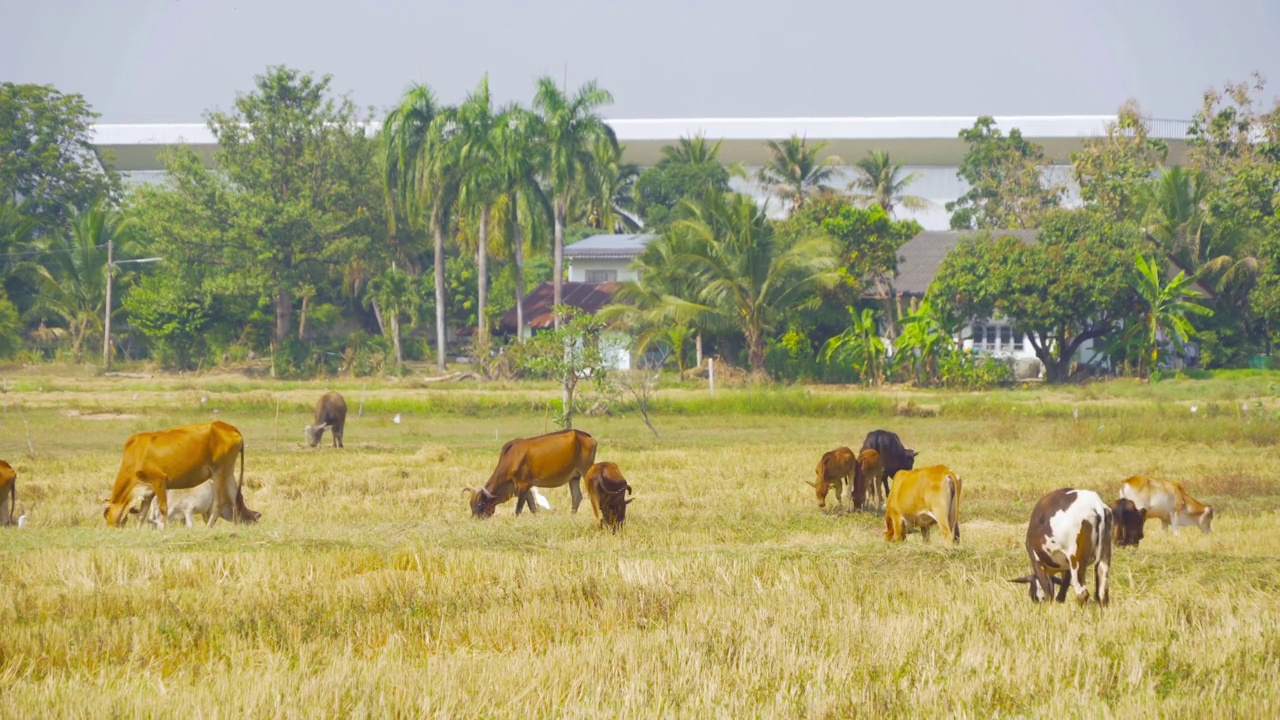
x: 1069, y: 531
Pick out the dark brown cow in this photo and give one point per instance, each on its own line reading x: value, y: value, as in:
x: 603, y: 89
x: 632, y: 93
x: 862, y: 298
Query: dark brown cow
x: 1069, y: 531
x: 608, y: 489
x: 868, y: 472
x: 1129, y: 522
x: 893, y: 456
x: 546, y: 461
x: 8, y: 492
x: 331, y: 413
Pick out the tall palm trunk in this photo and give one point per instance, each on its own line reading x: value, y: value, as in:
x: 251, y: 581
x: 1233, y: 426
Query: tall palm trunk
x: 284, y: 315
x: 438, y: 230
x: 558, y: 278
x: 518, y: 240
x: 482, y: 269
x: 395, y: 336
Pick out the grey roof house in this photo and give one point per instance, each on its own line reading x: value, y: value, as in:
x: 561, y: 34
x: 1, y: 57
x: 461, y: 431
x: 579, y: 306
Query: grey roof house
x: 605, y: 258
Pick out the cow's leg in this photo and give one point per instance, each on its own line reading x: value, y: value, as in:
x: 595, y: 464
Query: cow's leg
x: 1101, y: 583
x: 1075, y: 574
x: 924, y: 533
x: 161, y: 500
x: 839, y: 491
x: 1064, y: 581
x: 224, y: 491
x: 1041, y: 585
x: 337, y: 437
x: 575, y: 491
x: 188, y: 515
x: 1165, y: 524
x: 521, y: 499
x: 527, y: 497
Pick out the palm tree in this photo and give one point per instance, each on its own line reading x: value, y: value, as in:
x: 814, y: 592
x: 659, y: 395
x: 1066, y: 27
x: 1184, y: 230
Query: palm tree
x: 71, y: 270
x: 747, y: 276
x: 481, y: 186
x: 421, y: 154
x: 1165, y: 308
x: 569, y: 128
x: 879, y: 180
x: 692, y: 151
x: 518, y: 157
x: 609, y: 198
x: 395, y: 292
x: 1177, y: 219
x: 794, y: 171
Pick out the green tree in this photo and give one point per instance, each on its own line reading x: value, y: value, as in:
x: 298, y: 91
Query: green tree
x: 47, y: 160
x: 10, y: 327
x: 689, y: 170
x: 922, y: 343
x: 396, y: 293
x: 860, y: 346
x: 481, y: 186
x: 1164, y: 309
x: 518, y: 157
x: 610, y: 203
x: 748, y: 277
x: 569, y: 130
x: 1007, y: 188
x: 70, y: 271
x: 1113, y: 171
x: 880, y: 181
x: 570, y: 354
x: 173, y: 314
x: 794, y: 171
x: 1067, y: 288
x: 298, y: 160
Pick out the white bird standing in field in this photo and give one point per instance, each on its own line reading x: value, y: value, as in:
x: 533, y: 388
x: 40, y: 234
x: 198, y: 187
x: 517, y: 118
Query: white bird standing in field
x: 396, y: 419
x: 22, y: 521
x: 543, y: 503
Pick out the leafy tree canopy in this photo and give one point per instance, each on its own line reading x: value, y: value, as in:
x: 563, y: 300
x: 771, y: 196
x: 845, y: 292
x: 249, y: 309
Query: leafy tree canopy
x: 1007, y: 188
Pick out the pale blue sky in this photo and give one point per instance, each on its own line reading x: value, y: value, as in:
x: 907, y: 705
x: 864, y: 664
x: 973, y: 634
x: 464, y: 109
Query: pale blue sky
x: 169, y: 60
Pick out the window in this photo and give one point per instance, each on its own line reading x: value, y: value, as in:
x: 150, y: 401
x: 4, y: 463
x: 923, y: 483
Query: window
x: 991, y: 338
x: 1006, y: 337
x: 1017, y: 343
x: 601, y: 276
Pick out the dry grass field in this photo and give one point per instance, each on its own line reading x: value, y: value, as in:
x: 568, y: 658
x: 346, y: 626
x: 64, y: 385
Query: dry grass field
x: 368, y: 591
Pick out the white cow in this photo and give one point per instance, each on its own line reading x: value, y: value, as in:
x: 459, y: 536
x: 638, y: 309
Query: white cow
x: 1069, y: 531
x: 184, y: 504
x: 1167, y: 500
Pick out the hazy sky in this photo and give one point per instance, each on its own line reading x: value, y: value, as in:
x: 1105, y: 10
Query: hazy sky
x: 169, y: 60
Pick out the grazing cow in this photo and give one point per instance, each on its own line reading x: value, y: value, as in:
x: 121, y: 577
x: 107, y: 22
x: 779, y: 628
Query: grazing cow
x: 893, y: 455
x: 608, y: 490
x: 921, y: 498
x: 8, y: 492
x: 184, y: 504
x: 545, y: 461
x: 178, y: 458
x: 868, y: 469
x: 835, y: 467
x: 1129, y: 521
x: 1069, y: 531
x: 1167, y: 500
x: 331, y: 413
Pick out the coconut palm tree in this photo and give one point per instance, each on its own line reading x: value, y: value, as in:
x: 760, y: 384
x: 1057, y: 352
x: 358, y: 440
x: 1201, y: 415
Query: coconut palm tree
x: 70, y: 270
x: 518, y: 158
x: 609, y: 199
x: 794, y: 171
x: 747, y: 275
x: 879, y: 180
x: 692, y: 151
x: 569, y: 128
x: 422, y: 177
x: 480, y: 186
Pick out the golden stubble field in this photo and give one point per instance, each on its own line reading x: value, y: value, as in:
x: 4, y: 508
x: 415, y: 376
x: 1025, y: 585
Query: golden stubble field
x: 367, y: 590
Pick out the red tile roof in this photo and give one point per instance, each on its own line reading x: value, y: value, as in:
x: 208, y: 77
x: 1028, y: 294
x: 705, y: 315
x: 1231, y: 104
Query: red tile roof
x: 537, y: 304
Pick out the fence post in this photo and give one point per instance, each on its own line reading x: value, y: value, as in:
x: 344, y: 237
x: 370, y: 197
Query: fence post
x: 711, y: 374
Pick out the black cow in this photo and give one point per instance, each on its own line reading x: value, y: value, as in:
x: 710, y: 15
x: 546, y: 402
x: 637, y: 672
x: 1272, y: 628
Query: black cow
x: 1129, y: 521
x: 331, y: 414
x: 893, y: 456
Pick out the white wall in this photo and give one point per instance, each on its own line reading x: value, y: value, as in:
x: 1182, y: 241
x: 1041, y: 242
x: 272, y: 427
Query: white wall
x: 578, y: 268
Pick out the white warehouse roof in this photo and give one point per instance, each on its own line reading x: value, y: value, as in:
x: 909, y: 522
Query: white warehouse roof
x: 915, y: 141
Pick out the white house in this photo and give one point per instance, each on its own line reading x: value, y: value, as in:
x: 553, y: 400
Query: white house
x: 605, y: 258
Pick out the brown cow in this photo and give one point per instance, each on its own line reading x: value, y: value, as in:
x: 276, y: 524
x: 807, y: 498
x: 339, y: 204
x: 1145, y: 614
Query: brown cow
x: 331, y: 413
x: 922, y: 498
x: 1069, y: 531
x: 545, y: 461
x: 893, y: 455
x: 608, y: 490
x: 8, y: 492
x: 869, y: 469
x: 835, y: 467
x: 181, y: 457
x: 1129, y: 522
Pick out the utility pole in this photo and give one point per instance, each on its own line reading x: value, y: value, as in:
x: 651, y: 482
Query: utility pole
x: 106, y: 321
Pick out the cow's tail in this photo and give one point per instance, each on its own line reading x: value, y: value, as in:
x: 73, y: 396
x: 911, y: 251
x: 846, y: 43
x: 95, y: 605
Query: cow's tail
x: 859, y: 483
x: 235, y: 501
x: 13, y: 499
x: 953, y: 507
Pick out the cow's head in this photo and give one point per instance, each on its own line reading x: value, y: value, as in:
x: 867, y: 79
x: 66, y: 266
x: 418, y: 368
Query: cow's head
x: 910, y: 459
x: 1129, y: 522
x: 820, y: 487
x: 115, y: 513
x: 613, y: 505
x: 311, y: 434
x: 483, y: 503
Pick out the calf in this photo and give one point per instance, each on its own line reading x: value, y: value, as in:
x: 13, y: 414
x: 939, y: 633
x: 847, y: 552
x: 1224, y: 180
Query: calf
x: 920, y: 499
x: 331, y: 414
x: 869, y: 468
x: 1069, y: 531
x: 185, y: 504
x: 1129, y: 521
x: 1167, y: 500
x: 8, y: 492
x: 835, y: 467
x: 608, y: 490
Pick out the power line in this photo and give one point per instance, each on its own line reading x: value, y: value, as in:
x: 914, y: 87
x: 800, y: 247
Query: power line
x: 37, y: 253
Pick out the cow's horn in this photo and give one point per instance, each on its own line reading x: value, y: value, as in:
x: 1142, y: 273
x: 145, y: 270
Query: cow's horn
x: 810, y: 484
x: 629, y: 501
x: 469, y: 490
x: 1023, y: 579
x: 485, y: 491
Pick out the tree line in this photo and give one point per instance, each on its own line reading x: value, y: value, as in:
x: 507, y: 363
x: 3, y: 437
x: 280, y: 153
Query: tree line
x: 334, y: 248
